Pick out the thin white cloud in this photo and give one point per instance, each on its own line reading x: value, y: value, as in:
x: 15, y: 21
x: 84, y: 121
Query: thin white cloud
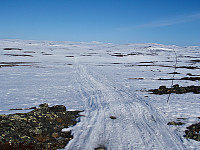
x: 173, y: 21
x: 167, y: 22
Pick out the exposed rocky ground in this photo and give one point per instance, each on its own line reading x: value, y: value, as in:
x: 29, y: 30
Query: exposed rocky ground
x: 175, y: 123
x: 193, y: 132
x: 38, y: 129
x: 176, y: 89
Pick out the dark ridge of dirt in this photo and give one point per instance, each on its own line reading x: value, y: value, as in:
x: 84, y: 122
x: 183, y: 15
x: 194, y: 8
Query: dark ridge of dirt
x: 154, y: 65
x: 39, y: 129
x: 13, y: 64
x: 191, y: 78
x: 1, y: 66
x: 92, y: 53
x: 102, y: 65
x: 145, y: 62
x: 85, y: 55
x: 8, y: 49
x: 132, y: 54
x: 196, y: 60
x: 188, y: 57
x: 184, y: 78
x: 69, y: 56
x: 189, y: 74
x: 46, y: 54
x: 151, y: 65
x: 152, y: 54
x: 181, y: 118
x: 29, y: 52
x: 169, y: 61
x: 123, y: 55
x: 174, y: 73
x: 116, y: 63
x: 118, y: 55
x: 175, y: 89
x: 21, y: 55
x: 22, y: 108
x: 135, y: 78
x: 186, y: 67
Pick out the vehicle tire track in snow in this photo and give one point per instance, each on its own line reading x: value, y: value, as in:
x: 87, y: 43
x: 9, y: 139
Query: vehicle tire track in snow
x: 138, y: 124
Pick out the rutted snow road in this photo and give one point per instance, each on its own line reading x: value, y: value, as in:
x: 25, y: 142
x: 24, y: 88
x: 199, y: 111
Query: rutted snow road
x: 103, y: 81
x: 138, y: 124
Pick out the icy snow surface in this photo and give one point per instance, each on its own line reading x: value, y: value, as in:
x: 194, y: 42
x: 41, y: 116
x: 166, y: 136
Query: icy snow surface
x: 104, y: 80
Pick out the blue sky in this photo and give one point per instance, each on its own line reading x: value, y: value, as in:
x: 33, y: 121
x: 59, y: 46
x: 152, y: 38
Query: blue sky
x: 116, y: 21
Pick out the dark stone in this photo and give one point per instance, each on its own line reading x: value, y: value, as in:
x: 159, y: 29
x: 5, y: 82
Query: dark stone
x: 113, y: 117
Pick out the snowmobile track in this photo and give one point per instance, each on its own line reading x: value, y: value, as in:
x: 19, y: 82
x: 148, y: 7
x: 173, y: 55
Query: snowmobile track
x: 138, y: 125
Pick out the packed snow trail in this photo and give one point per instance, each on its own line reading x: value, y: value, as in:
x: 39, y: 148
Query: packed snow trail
x: 137, y: 125
x: 105, y: 80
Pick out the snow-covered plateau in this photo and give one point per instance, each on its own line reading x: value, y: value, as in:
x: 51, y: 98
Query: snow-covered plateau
x: 104, y: 80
